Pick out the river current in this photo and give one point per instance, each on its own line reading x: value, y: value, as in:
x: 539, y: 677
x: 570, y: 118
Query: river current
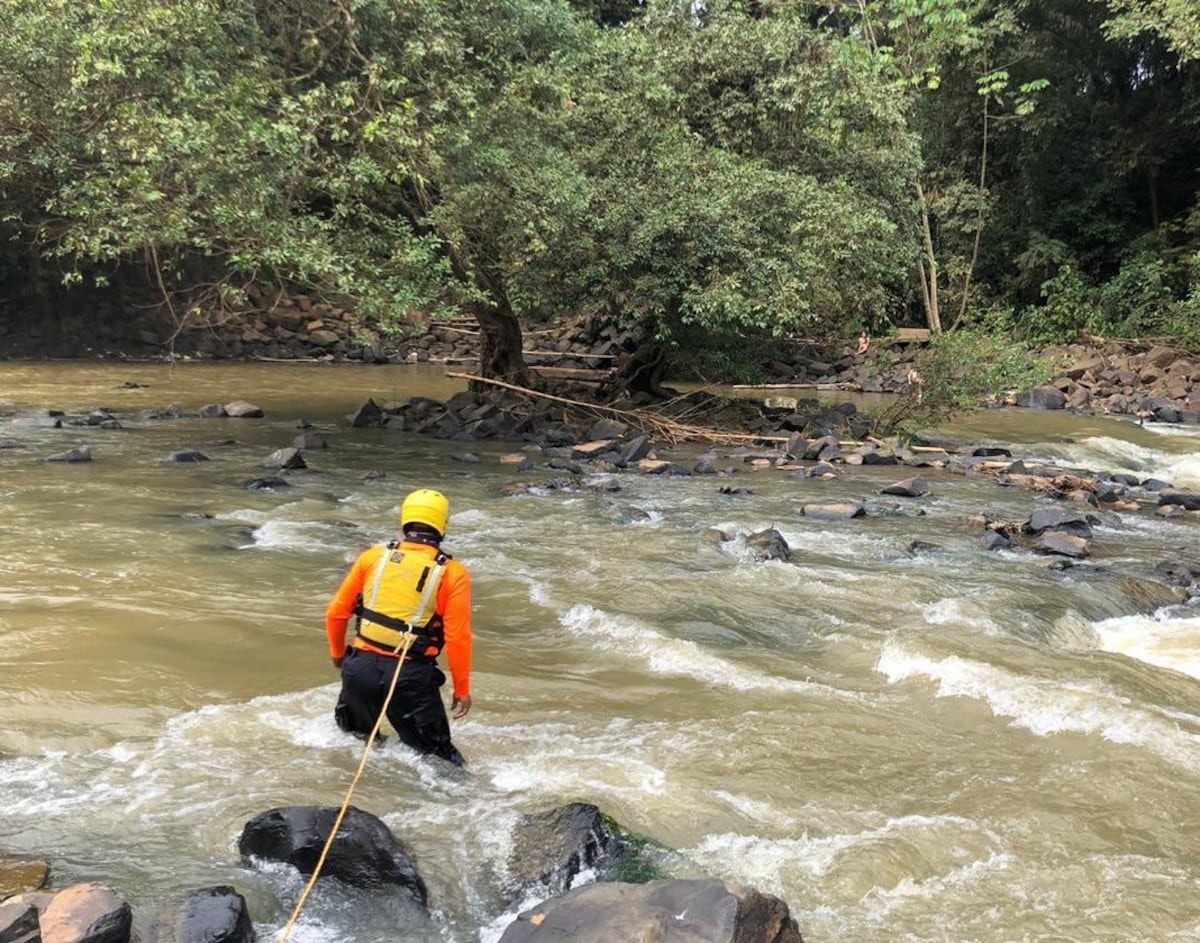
x: 955, y: 745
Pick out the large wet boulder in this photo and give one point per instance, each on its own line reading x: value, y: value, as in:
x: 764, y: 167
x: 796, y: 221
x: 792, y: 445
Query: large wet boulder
x: 552, y: 848
x: 210, y: 915
x: 670, y: 911
x: 86, y: 913
x: 365, y: 853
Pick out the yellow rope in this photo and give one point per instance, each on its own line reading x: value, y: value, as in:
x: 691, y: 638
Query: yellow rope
x: 400, y: 650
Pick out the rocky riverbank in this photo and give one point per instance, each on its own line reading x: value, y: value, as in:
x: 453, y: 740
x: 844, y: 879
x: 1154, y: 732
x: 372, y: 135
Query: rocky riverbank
x: 1139, y: 378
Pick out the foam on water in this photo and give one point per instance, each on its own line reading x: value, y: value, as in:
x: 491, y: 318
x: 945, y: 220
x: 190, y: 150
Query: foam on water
x: 312, y: 536
x: 776, y: 864
x: 1045, y: 706
x: 1105, y: 453
x: 1160, y: 640
x: 680, y: 657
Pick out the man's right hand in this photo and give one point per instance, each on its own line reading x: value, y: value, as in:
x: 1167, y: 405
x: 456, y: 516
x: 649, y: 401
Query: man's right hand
x: 337, y: 662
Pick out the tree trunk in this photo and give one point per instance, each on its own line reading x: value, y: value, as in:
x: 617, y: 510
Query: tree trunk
x: 929, y: 279
x: 500, y: 343
x: 642, y: 372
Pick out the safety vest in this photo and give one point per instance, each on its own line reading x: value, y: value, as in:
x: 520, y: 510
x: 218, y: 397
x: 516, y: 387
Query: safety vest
x: 401, y: 598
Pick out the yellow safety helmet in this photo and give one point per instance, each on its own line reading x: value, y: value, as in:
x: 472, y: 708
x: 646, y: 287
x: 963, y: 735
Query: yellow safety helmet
x: 426, y: 506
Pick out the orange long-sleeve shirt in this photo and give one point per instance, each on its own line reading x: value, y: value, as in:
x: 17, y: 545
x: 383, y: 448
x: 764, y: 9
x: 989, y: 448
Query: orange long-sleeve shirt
x: 453, y: 605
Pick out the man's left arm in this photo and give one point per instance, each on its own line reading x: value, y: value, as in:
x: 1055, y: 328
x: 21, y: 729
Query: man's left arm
x: 456, y: 620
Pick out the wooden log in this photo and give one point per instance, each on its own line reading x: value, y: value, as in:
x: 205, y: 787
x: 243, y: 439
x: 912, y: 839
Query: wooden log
x: 581, y: 374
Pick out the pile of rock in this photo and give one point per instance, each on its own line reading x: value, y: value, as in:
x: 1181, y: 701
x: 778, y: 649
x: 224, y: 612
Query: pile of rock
x: 550, y: 851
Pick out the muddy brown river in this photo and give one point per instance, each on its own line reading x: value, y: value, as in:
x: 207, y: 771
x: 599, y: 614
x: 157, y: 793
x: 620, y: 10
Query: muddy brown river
x: 959, y: 746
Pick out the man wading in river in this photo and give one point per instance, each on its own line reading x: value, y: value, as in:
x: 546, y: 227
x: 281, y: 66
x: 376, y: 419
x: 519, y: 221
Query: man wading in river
x: 405, y: 585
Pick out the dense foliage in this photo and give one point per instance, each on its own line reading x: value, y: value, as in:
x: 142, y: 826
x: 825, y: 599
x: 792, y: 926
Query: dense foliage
x: 710, y: 176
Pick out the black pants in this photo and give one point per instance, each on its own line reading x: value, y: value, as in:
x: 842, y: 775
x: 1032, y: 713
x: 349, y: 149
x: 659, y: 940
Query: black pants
x: 416, y: 709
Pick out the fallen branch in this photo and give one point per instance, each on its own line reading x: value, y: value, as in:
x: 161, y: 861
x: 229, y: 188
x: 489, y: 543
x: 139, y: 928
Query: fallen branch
x: 663, y: 427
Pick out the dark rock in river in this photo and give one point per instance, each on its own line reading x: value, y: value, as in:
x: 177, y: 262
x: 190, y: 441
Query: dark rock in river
x: 693, y: 911
x: 368, y: 414
x: 1188, y: 500
x: 365, y: 853
x: 1057, y: 519
x: 210, y: 915
x: 994, y: 540
x: 187, y: 455
x: 768, y: 544
x: 212, y: 411
x: 266, y: 484
x: 552, y: 848
x: 86, y: 913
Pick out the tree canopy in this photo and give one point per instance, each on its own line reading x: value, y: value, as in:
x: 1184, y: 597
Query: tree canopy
x: 710, y: 177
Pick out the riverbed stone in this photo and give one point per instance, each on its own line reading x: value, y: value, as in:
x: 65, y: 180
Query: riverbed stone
x: 240, y: 409
x: 907, y: 488
x: 20, y: 873
x: 209, y: 915
x: 994, y: 540
x: 19, y: 923
x: 1063, y: 543
x: 212, y: 411
x: 184, y: 455
x: 1061, y: 520
x: 1042, y: 397
x: 76, y: 456
x: 768, y: 544
x: 365, y: 853
x: 47, y: 419
x: 288, y: 458
x: 309, y: 440
x: 1188, y: 500
x: 635, y: 450
x: 86, y: 913
x: 702, y: 910
x: 834, y: 510
x: 270, y: 483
